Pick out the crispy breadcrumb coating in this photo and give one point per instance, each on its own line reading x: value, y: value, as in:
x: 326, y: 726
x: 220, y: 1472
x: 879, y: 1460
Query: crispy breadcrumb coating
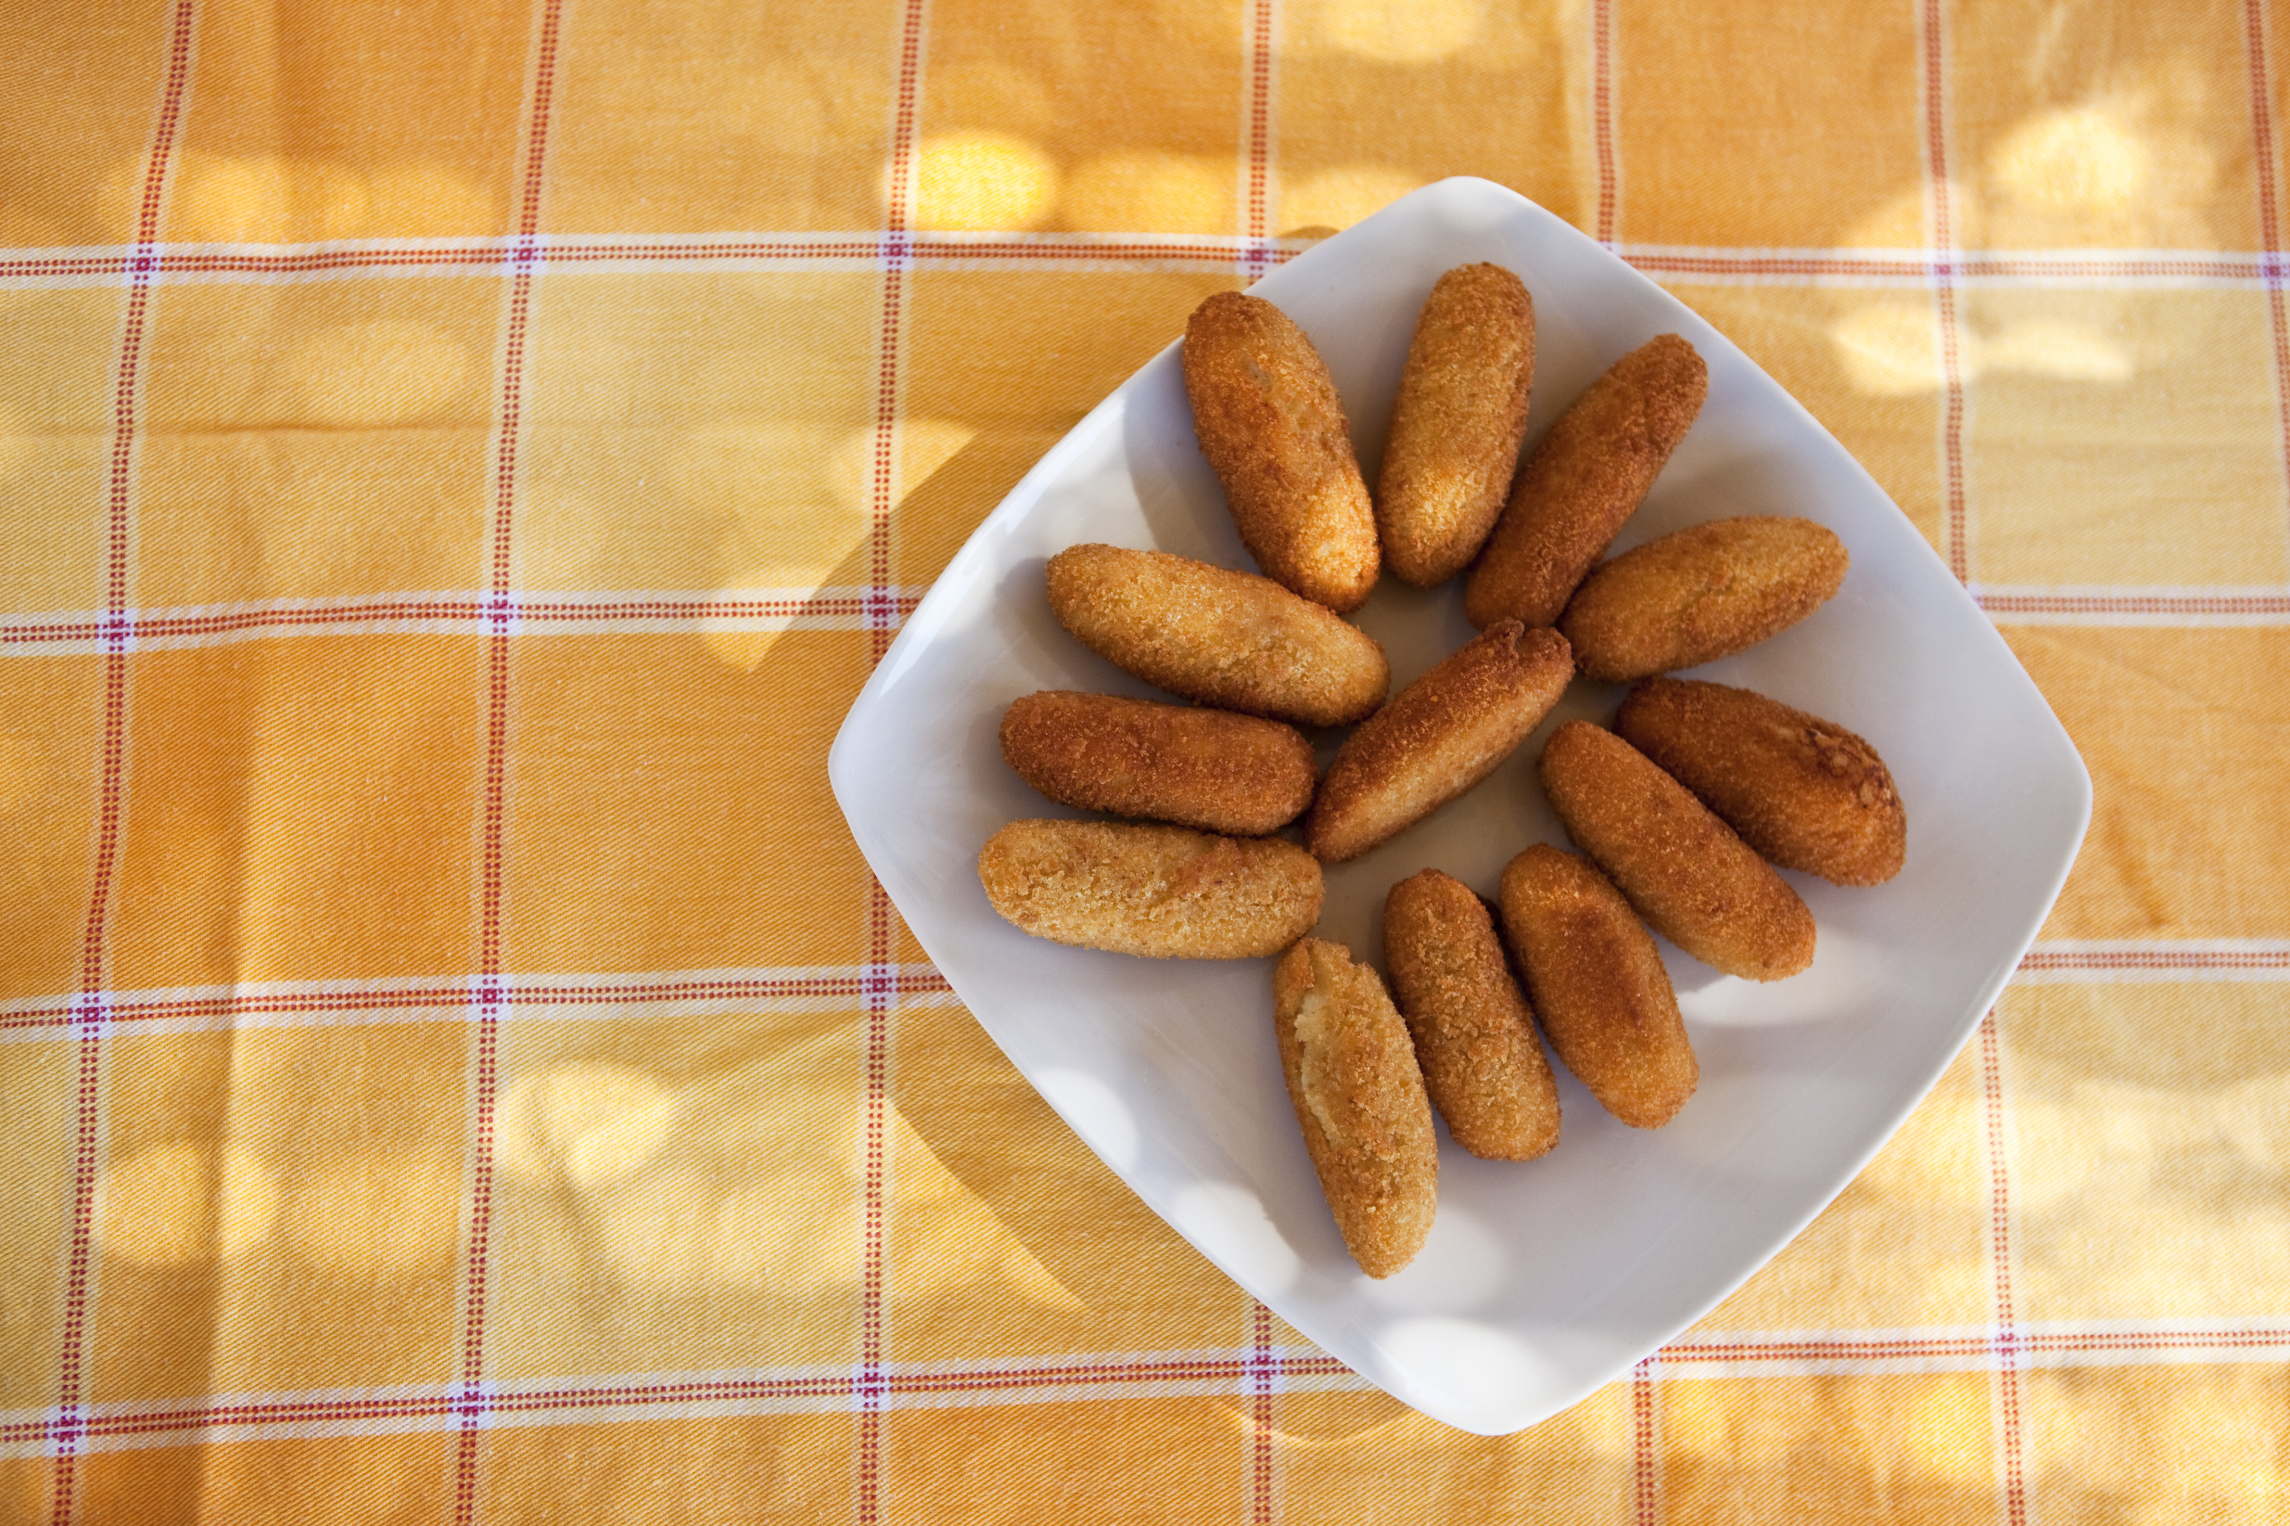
x: 1805, y: 792
x: 1272, y: 427
x: 1582, y: 479
x: 1359, y: 1099
x: 1155, y: 891
x: 1598, y: 985
x: 1458, y: 422
x: 1685, y: 871
x: 1219, y: 637
x: 1474, y: 1038
x: 1438, y: 737
x: 1133, y: 757
x: 1702, y: 593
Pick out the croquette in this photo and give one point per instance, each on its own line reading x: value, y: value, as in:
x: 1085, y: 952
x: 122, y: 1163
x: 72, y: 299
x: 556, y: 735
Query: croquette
x: 1359, y: 1098
x: 1474, y: 1037
x: 1687, y: 873
x: 1159, y: 892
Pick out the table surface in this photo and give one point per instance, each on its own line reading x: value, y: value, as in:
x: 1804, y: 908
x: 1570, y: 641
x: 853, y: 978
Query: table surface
x: 458, y: 463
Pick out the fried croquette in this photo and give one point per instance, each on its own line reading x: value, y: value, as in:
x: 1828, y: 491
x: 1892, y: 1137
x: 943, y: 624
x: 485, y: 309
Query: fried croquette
x: 1359, y: 1099
x: 1689, y: 876
x: 1218, y: 637
x: 1804, y: 792
x: 1133, y: 757
x: 1438, y: 737
x: 1473, y: 1036
x: 1702, y: 593
x: 1155, y: 891
x: 1456, y: 428
x: 1582, y: 479
x: 1274, y: 431
x: 1598, y: 984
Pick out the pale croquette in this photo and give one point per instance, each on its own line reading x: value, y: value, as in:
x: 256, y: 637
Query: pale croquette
x: 1359, y: 1098
x: 1159, y: 892
x: 1219, y: 637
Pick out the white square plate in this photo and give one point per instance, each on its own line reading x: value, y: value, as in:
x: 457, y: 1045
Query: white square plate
x: 1543, y: 1280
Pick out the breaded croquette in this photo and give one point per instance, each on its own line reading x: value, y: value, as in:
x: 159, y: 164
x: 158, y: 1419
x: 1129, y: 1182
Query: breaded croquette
x: 1198, y: 768
x: 1155, y: 891
x: 1805, y: 792
x: 1359, y: 1099
x: 1598, y: 985
x: 1272, y: 427
x: 1218, y: 637
x: 1702, y: 593
x: 1473, y: 1036
x: 1688, y: 875
x: 1438, y: 737
x: 1456, y: 428
x: 1582, y: 479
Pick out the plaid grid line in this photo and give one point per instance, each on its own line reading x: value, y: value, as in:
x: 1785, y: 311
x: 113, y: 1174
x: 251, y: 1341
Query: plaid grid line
x: 1602, y: 121
x: 87, y: 1143
x: 2009, y: 1388
x: 2269, y: 205
x: 1241, y: 1373
x: 872, y: 608
x: 1260, y: 23
x: 534, y: 996
x: 1954, y: 537
x: 490, y: 993
x: 563, y: 254
x: 868, y: 1463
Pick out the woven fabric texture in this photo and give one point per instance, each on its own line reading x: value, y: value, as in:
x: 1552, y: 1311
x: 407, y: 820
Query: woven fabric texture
x: 458, y: 464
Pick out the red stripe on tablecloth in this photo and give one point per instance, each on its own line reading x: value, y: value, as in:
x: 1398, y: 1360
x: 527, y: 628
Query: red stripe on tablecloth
x: 2164, y: 603
x: 1646, y: 1462
x: 881, y: 994
x: 2269, y: 209
x: 482, y: 612
x: 1953, y: 529
x: 87, y: 1133
x: 2010, y: 1388
x: 163, y: 263
x: 1248, y: 1373
x: 1602, y: 116
x: 1251, y: 1373
x: 2194, y: 962
x: 489, y: 992
x: 167, y: 1008
x: 1262, y: 1370
x: 1256, y: 215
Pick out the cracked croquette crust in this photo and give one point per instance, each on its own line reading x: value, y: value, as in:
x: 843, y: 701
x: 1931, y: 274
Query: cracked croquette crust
x: 1219, y: 637
x: 1804, y: 792
x: 1701, y: 593
x: 1438, y: 737
x: 1687, y: 873
x: 1133, y: 757
x: 1598, y: 986
x: 1457, y: 424
x: 1359, y: 1099
x: 1583, y: 479
x: 1474, y: 1037
x: 1159, y: 892
x: 1273, y: 429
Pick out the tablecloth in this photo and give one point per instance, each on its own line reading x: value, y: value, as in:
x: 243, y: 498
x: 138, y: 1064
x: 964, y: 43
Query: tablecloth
x: 458, y: 463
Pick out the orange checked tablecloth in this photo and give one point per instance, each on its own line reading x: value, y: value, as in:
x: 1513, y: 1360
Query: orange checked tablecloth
x: 458, y: 463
